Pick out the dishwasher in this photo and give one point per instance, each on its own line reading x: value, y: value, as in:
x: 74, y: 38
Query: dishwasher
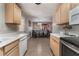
x: 23, y: 45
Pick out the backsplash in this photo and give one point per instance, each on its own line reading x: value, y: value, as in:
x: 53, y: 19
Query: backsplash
x: 5, y: 28
x: 58, y: 29
x: 75, y: 29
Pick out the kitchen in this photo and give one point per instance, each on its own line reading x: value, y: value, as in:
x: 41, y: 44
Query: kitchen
x: 39, y: 29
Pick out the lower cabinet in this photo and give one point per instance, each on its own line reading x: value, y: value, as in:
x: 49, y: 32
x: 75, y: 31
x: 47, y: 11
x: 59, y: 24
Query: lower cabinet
x: 13, y: 52
x: 55, y: 45
x: 11, y: 49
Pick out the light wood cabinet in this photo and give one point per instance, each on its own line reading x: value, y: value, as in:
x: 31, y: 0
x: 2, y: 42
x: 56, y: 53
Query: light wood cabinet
x: 51, y: 44
x: 55, y: 45
x: 64, y: 18
x: 73, y: 5
x: 1, y: 52
x: 11, y: 49
x: 57, y: 16
x: 62, y: 14
x: 9, y: 13
x: 13, y: 52
x: 10, y: 46
x: 12, y: 13
x: 17, y: 14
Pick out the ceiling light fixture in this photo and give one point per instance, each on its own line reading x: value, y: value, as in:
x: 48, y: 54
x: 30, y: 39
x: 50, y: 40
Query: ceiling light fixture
x: 37, y: 3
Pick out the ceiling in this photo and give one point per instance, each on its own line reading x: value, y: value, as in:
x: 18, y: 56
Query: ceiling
x: 44, y: 10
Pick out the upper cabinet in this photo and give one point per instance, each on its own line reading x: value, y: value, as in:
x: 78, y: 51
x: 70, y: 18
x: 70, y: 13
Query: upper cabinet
x: 12, y: 13
x: 64, y: 13
x: 61, y: 15
x: 73, y: 5
x: 57, y: 16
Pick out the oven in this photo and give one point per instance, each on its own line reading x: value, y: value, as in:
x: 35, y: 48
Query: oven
x: 68, y: 49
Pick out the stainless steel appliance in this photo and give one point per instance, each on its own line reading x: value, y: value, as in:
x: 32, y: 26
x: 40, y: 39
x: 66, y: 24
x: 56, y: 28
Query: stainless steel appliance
x: 70, y: 46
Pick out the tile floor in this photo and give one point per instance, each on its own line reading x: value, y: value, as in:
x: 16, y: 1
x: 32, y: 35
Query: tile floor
x: 38, y: 47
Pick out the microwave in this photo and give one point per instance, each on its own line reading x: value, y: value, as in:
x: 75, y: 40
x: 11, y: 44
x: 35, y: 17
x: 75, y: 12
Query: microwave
x: 74, y: 16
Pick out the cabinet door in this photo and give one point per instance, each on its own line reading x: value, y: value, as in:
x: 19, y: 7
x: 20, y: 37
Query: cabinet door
x: 55, y: 47
x: 54, y: 44
x: 17, y: 14
x: 1, y: 52
x: 10, y: 46
x: 51, y: 44
x: 13, y: 52
x: 73, y: 5
x: 9, y: 12
x: 65, y: 7
x: 58, y: 16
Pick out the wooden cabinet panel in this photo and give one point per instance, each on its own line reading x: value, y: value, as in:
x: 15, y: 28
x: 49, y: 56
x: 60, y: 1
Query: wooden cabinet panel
x: 55, y: 47
x: 17, y: 14
x: 73, y: 5
x: 1, y: 52
x: 12, y: 13
x: 11, y: 49
x: 62, y: 13
x: 57, y: 16
x: 64, y: 18
x: 13, y: 52
x: 54, y: 44
x: 10, y: 46
x: 9, y: 8
x: 51, y: 45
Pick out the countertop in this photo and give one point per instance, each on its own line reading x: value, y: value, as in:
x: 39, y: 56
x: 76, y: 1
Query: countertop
x: 71, y: 39
x: 59, y: 35
x: 9, y: 39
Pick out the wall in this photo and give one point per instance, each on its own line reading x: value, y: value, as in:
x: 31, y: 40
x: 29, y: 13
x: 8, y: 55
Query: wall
x: 36, y: 25
x: 22, y: 24
x: 75, y: 29
x: 58, y: 29
x: 4, y: 28
x: 27, y: 27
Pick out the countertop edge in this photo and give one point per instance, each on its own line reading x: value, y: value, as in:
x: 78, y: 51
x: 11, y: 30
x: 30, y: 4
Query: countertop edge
x: 10, y: 41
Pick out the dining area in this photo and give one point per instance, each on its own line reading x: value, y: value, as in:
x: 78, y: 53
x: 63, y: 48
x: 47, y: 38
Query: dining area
x: 40, y: 33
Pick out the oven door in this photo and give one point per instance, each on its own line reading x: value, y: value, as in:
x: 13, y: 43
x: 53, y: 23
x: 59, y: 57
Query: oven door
x: 68, y: 49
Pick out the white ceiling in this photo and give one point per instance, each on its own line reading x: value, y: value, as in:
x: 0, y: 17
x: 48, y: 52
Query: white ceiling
x: 46, y: 19
x: 43, y: 10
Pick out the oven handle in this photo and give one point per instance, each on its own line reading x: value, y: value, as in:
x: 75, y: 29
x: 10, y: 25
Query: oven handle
x: 70, y: 46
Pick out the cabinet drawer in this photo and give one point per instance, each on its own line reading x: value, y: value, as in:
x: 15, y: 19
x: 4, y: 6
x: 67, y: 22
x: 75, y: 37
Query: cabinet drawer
x: 13, y: 52
x: 10, y: 46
